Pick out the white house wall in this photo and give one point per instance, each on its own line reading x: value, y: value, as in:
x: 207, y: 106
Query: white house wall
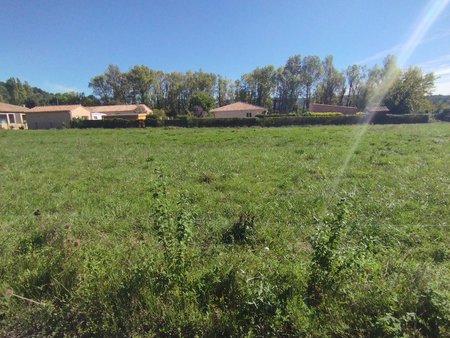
x: 235, y: 113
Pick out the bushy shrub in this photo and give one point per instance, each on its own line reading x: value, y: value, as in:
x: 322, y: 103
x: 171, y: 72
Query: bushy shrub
x: 331, y: 113
x: 276, y: 115
x: 111, y: 124
x: 280, y: 121
x: 443, y: 115
x: 382, y: 118
x: 223, y: 122
x: 266, y: 121
x: 242, y: 230
x: 159, y: 114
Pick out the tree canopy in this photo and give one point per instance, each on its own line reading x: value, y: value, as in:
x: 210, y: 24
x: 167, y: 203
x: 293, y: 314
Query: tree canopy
x: 20, y: 93
x: 201, y: 103
x: 289, y: 88
x: 409, y: 92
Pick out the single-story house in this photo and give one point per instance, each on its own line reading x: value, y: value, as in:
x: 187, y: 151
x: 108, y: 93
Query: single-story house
x: 238, y: 109
x: 12, y: 116
x: 46, y: 117
x: 120, y: 111
x: 326, y: 108
x: 377, y: 110
x: 96, y: 115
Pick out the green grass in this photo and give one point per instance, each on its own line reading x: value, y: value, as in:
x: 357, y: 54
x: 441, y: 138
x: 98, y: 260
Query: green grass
x: 106, y: 256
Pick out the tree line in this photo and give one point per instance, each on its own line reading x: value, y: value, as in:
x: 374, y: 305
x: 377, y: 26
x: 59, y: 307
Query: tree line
x: 289, y: 88
x: 14, y: 91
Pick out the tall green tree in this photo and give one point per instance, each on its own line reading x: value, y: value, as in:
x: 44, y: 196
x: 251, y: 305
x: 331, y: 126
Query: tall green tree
x: 201, y: 103
x: 409, y: 92
x: 160, y: 94
x: 354, y: 76
x: 331, y: 84
x: 224, y: 91
x: 258, y: 86
x: 311, y: 73
x: 175, y: 87
x: 200, y: 81
x: 4, y: 95
x: 101, y: 88
x: 16, y: 91
x: 290, y: 84
x: 118, y: 83
x: 141, y: 81
x: 378, y: 82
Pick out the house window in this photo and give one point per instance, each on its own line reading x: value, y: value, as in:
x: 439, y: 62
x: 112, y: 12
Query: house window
x: 12, y: 118
x: 249, y: 114
x: 3, y: 119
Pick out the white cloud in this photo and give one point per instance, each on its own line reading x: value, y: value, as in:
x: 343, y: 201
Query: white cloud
x: 59, y: 88
x: 442, y: 85
x: 442, y: 71
x: 440, y: 66
x: 398, y: 48
x: 380, y: 55
x: 437, y: 61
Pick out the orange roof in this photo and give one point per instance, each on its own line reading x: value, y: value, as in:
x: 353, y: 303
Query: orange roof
x: 371, y: 109
x: 132, y: 108
x: 52, y: 109
x: 320, y: 107
x: 11, y: 108
x: 238, y: 106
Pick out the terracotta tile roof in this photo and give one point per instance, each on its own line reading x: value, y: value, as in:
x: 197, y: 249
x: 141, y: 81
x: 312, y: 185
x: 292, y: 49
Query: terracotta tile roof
x: 132, y: 108
x: 239, y: 106
x: 319, y: 107
x: 11, y: 108
x: 52, y: 109
x: 380, y: 109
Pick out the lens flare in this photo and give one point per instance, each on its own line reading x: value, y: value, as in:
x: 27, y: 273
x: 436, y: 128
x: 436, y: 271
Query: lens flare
x: 430, y: 14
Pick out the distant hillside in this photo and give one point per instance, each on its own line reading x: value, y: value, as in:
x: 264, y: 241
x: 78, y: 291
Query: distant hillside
x: 440, y: 101
x: 15, y: 91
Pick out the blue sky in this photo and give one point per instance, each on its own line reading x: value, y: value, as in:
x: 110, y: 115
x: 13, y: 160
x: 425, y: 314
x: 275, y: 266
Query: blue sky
x: 59, y: 45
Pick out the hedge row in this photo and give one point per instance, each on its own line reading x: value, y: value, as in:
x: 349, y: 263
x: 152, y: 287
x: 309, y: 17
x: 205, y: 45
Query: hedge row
x: 252, y: 122
x: 288, y: 121
x: 116, y: 123
x: 398, y: 119
x: 443, y: 115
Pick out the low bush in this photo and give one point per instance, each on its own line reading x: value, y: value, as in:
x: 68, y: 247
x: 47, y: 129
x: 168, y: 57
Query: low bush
x: 241, y: 231
x: 443, y: 115
x: 398, y: 119
x: 310, y: 120
x: 110, y: 124
x: 252, y: 122
x: 159, y: 114
x: 276, y: 115
x: 266, y: 121
x: 331, y: 113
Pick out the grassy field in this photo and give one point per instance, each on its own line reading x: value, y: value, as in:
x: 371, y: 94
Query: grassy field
x: 226, y: 232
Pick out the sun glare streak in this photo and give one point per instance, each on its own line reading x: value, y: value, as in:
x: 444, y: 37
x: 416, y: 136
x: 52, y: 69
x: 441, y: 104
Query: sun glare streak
x: 430, y: 14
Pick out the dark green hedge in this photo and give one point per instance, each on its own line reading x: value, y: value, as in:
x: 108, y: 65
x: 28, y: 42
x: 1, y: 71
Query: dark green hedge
x: 116, y: 123
x: 443, y: 115
x: 288, y: 121
x: 252, y: 122
x: 309, y: 120
x: 398, y: 119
